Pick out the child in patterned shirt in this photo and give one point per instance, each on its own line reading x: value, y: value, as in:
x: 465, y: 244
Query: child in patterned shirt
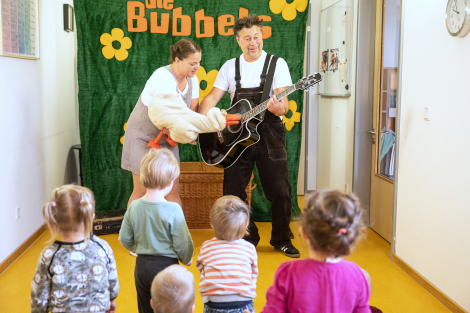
x: 78, y: 273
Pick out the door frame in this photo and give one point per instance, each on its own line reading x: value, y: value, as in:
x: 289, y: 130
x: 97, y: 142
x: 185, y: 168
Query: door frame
x: 398, y: 132
x: 364, y: 103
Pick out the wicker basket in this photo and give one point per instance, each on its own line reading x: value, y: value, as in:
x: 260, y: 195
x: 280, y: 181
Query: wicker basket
x: 200, y: 186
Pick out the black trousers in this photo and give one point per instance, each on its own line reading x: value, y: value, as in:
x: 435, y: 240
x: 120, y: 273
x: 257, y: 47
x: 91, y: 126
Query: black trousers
x: 270, y: 157
x: 146, y: 268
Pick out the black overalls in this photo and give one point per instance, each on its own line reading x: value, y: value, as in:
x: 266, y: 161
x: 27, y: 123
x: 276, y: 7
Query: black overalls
x: 270, y: 157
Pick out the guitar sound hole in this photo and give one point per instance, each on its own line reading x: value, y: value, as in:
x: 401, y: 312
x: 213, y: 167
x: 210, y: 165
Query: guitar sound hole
x: 234, y: 128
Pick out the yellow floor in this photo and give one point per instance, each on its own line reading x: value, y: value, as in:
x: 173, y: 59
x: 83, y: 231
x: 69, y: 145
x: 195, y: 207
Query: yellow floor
x: 393, y: 290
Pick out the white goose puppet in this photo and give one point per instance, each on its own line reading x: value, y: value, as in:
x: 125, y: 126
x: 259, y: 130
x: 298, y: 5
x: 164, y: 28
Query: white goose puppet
x: 171, y: 112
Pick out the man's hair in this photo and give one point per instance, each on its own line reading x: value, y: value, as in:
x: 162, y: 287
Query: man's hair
x: 158, y: 168
x: 247, y: 22
x: 230, y: 217
x: 173, y: 290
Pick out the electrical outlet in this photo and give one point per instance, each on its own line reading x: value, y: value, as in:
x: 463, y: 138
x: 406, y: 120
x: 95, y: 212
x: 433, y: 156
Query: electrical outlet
x: 17, y: 213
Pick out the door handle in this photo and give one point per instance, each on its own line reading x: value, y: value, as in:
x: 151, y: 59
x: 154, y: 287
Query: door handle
x: 373, y: 133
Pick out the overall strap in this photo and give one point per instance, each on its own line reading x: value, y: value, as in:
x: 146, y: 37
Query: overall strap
x: 174, y: 76
x: 265, y: 69
x: 237, y: 73
x: 269, y: 79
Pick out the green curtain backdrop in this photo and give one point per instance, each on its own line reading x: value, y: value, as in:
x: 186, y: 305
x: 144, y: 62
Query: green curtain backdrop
x: 112, y: 72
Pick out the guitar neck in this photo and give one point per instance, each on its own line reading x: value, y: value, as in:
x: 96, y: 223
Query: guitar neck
x: 263, y: 106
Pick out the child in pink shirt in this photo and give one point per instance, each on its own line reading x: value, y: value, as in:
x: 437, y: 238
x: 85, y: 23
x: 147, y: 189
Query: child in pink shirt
x: 324, y: 282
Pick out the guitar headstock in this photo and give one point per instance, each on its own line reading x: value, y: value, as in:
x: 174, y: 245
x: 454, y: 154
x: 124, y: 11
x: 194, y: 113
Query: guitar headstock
x: 309, y: 81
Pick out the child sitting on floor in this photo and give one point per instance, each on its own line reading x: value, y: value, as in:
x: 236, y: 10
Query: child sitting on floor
x: 228, y: 264
x: 324, y: 282
x: 78, y: 273
x: 154, y: 228
x: 173, y: 291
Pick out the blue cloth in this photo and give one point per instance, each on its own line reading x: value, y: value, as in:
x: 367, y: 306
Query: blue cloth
x: 387, y: 140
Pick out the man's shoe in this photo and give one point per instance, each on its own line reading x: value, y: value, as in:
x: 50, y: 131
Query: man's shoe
x: 289, y: 250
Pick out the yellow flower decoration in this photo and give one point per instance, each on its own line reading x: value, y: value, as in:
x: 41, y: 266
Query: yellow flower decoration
x: 122, y: 138
x: 295, y: 118
x: 289, y: 10
x: 209, y: 78
x: 108, y: 50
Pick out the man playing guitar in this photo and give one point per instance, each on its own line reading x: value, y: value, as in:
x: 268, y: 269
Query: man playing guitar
x: 256, y: 76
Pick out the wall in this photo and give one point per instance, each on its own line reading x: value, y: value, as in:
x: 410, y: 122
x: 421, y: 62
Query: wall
x: 39, y: 124
x: 336, y: 130
x: 432, y: 232
x: 310, y: 109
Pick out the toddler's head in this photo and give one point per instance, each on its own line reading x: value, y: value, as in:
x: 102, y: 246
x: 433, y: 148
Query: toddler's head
x: 158, y: 168
x: 229, y: 218
x: 71, y: 208
x: 332, y: 222
x: 173, y: 290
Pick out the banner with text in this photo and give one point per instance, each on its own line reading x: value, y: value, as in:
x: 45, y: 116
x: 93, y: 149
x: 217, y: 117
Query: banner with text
x: 121, y: 43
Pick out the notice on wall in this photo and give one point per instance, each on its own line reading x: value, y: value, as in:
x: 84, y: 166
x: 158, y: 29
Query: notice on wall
x: 343, y: 70
x: 18, y: 28
x: 6, y: 40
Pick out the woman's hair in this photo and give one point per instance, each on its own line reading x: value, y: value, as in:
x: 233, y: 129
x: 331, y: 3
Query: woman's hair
x: 230, y: 217
x: 333, y: 222
x: 158, y: 168
x: 247, y: 22
x: 173, y: 290
x: 183, y: 48
x: 70, y: 206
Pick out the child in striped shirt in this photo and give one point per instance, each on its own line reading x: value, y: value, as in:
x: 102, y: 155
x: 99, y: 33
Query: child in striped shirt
x: 228, y: 264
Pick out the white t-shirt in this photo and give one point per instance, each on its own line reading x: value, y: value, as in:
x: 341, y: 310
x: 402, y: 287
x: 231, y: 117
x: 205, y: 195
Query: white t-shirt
x: 250, y: 73
x: 163, y: 82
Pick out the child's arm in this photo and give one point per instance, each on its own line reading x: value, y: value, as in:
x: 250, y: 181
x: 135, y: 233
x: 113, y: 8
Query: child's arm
x: 254, y: 267
x: 368, y: 278
x: 41, y: 286
x: 126, y: 233
x: 363, y: 301
x: 199, y: 264
x: 112, y: 276
x: 182, y: 241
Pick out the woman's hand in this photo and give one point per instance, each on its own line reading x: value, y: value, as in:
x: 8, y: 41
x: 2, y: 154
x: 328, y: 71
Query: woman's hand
x: 166, y: 131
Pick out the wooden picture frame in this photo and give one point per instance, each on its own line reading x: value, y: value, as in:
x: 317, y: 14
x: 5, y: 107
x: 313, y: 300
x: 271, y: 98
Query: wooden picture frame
x: 19, y: 29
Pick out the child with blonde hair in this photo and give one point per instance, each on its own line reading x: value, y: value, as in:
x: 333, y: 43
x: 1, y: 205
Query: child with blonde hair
x: 228, y: 264
x: 331, y: 225
x: 155, y: 228
x: 173, y: 291
x: 78, y: 273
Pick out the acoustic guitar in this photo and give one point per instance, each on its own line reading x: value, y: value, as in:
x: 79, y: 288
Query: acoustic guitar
x: 223, y: 148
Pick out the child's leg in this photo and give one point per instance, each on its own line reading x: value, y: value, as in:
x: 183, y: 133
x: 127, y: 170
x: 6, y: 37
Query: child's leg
x: 146, y: 268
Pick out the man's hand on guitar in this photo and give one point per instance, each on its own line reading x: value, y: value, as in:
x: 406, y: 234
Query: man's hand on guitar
x: 232, y: 119
x: 276, y: 107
